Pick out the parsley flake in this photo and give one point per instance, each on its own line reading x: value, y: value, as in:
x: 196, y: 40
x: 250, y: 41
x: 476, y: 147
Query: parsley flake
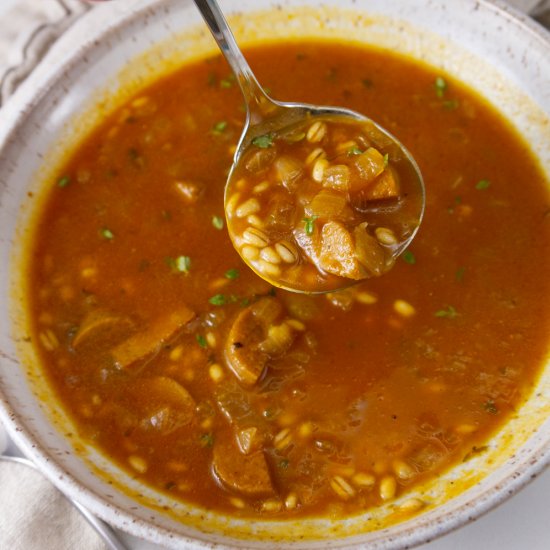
x: 219, y: 127
x: 201, y: 340
x: 459, y: 275
x: 440, y: 86
x: 309, y: 224
x: 481, y: 185
x: 449, y: 312
x: 222, y: 299
x: 352, y: 151
x: 232, y: 274
x: 217, y: 222
x: 386, y: 160
x: 107, y: 234
x: 409, y: 257
x: 63, y: 181
x: 490, y: 407
x: 263, y: 142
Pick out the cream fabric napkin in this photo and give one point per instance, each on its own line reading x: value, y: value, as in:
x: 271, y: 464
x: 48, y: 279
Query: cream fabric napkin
x: 34, y: 515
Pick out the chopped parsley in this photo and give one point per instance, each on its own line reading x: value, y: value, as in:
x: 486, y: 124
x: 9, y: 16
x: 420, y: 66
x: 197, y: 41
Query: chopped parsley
x: 449, y: 313
x: 386, y: 160
x: 107, y: 234
x: 227, y: 82
x: 232, y: 274
x: 217, y: 222
x: 222, y: 299
x: 354, y: 151
x: 481, y: 185
x: 63, y: 181
x: 219, y: 127
x: 207, y: 440
x: 284, y: 464
x: 263, y: 142
x: 440, y: 86
x: 490, y: 407
x: 409, y: 257
x: 451, y: 104
x: 459, y: 275
x: 201, y: 340
x: 309, y: 224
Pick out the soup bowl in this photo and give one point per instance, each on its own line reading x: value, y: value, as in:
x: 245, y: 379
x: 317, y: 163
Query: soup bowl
x: 104, y: 59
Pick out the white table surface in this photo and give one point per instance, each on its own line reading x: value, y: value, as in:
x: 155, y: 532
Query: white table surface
x: 521, y: 523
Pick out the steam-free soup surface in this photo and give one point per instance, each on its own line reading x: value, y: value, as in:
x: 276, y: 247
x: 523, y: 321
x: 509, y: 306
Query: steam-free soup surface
x: 203, y: 381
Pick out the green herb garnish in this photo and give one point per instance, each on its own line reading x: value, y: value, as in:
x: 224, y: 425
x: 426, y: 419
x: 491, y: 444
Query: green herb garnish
x: 490, y: 407
x: 386, y: 160
x: 219, y: 127
x: 263, y: 142
x: 352, y: 151
x: 63, y: 181
x: 409, y: 257
x: 309, y: 224
x: 451, y: 104
x: 227, y: 82
x: 459, y: 275
x: 481, y: 185
x: 207, y: 440
x: 107, y: 234
x: 232, y: 274
x: 217, y: 222
x: 222, y: 299
x: 449, y: 312
x: 201, y: 340
x: 284, y: 464
x: 440, y: 86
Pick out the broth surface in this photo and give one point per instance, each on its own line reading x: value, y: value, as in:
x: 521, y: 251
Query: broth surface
x: 188, y: 370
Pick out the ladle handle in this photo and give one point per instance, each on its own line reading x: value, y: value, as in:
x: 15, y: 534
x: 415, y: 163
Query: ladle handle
x: 253, y: 93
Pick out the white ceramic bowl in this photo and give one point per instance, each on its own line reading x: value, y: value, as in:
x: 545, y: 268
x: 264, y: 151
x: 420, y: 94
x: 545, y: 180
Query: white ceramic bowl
x: 124, y: 45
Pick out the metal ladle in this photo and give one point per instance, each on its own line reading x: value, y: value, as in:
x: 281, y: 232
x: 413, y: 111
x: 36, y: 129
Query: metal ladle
x: 266, y: 116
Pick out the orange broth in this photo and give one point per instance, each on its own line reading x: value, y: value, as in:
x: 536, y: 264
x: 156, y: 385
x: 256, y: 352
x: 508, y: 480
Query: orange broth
x: 136, y: 289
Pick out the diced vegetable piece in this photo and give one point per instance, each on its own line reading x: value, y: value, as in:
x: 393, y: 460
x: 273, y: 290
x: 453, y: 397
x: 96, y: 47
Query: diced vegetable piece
x: 337, y: 254
x: 149, y: 341
x: 243, y: 351
x: 165, y: 404
x: 245, y: 474
x: 289, y: 170
x: 260, y: 159
x: 249, y: 440
x: 337, y: 177
x: 370, y: 164
x: 368, y: 251
x: 327, y: 205
x: 102, y: 326
x: 279, y: 339
x: 385, y: 186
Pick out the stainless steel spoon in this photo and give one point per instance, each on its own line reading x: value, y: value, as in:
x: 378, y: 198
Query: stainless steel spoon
x: 266, y: 116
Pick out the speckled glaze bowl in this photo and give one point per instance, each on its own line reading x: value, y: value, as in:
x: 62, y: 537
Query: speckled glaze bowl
x: 108, y: 55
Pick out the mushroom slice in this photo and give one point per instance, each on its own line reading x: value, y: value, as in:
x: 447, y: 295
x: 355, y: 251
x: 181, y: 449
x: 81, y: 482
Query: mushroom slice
x: 149, y: 341
x: 102, y: 326
x: 243, y: 351
x: 246, y: 474
x: 165, y: 405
